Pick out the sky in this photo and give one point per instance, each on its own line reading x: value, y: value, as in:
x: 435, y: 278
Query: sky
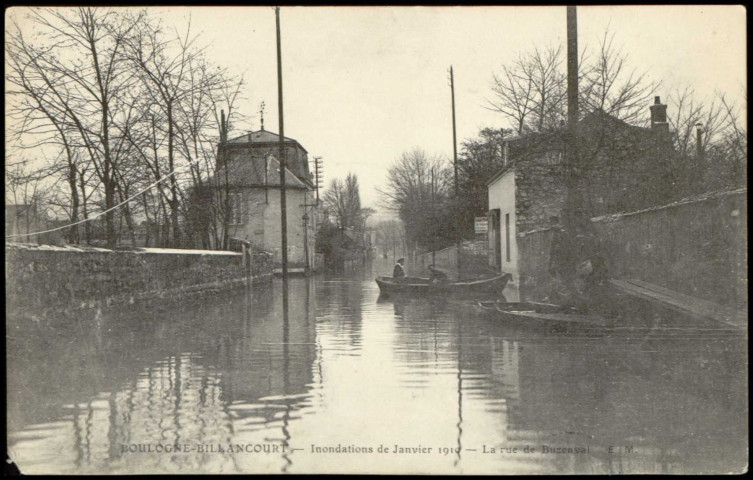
x: 364, y: 84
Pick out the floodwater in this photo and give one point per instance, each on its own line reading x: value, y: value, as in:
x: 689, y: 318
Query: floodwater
x: 348, y: 382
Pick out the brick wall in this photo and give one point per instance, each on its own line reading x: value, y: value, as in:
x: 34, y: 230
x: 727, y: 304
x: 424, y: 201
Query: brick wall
x: 46, y: 279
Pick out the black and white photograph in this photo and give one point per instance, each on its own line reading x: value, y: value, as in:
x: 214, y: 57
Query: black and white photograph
x: 423, y: 240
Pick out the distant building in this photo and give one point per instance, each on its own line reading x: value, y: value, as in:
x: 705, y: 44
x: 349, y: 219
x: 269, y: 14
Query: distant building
x: 21, y: 220
x: 623, y: 168
x: 250, y: 164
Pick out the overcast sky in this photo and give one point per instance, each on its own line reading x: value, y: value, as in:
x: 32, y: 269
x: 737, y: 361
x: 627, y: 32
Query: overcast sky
x: 363, y: 84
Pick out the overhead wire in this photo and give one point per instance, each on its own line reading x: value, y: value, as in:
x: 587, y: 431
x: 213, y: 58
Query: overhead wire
x: 94, y: 217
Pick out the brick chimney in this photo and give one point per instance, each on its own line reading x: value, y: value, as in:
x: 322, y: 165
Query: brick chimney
x: 659, y: 116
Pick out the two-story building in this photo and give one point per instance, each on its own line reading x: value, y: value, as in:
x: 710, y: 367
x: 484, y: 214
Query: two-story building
x: 621, y: 167
x: 250, y: 166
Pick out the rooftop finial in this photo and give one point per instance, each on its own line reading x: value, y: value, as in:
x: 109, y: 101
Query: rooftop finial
x: 261, y: 112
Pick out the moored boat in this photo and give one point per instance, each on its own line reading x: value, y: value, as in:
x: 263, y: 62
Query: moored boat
x: 423, y: 286
x: 533, y: 312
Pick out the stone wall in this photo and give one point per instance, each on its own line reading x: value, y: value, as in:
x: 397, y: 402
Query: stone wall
x: 47, y: 279
x: 261, y: 224
x: 696, y: 246
x: 539, y: 194
x: 619, y: 168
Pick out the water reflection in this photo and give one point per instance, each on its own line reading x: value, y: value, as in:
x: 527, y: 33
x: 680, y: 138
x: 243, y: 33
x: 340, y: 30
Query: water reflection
x: 336, y: 367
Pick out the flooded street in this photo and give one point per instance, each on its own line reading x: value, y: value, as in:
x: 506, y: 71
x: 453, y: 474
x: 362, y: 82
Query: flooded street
x: 349, y: 382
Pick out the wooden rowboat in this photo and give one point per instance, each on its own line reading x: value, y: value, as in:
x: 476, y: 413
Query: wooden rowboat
x: 423, y: 286
x: 533, y: 312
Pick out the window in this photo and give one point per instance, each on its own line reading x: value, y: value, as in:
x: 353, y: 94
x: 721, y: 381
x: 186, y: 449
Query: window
x: 236, y: 209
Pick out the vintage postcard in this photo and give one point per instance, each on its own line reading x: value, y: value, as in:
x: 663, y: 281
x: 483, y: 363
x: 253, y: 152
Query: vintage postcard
x: 376, y: 240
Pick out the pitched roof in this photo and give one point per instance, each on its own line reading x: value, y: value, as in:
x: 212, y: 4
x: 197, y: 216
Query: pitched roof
x: 261, y: 136
x: 537, y: 141
x: 258, y: 171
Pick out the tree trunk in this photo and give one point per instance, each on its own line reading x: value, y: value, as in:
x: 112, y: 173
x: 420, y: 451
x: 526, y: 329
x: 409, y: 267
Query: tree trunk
x: 148, y: 222
x: 127, y: 214
x: 108, y: 180
x: 164, y: 226
x: 173, y: 180
x: 85, y: 210
x: 73, y: 235
x: 226, y: 216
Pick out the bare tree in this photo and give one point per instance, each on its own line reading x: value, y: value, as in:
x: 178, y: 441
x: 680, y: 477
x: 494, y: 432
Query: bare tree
x: 731, y: 149
x: 78, y: 64
x: 418, y: 189
x: 531, y: 91
x: 30, y: 191
x: 342, y: 200
x: 165, y: 66
x: 126, y: 103
x: 33, y: 111
x: 608, y: 83
x: 197, y: 118
x: 513, y: 90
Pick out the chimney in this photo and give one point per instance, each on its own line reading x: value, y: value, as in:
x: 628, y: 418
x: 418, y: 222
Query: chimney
x: 659, y: 116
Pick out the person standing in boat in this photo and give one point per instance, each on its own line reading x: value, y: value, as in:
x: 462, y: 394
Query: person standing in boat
x: 399, y: 272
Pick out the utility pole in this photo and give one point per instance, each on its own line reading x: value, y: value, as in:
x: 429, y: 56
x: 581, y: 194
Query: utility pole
x: 572, y: 68
x: 283, y: 206
x: 306, y: 240
x: 572, y: 120
x: 455, y: 164
x: 318, y: 171
x: 571, y: 158
x: 565, y: 251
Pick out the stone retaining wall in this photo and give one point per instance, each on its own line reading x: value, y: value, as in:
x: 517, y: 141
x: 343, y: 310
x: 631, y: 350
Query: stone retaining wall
x: 696, y: 246
x: 47, y: 279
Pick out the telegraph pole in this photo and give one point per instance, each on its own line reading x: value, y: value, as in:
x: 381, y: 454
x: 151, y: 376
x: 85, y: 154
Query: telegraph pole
x: 318, y: 172
x: 455, y: 164
x: 565, y: 250
x: 572, y: 68
x: 571, y: 154
x: 283, y: 206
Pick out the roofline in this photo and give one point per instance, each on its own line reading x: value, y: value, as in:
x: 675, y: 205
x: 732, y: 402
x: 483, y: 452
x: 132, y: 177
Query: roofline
x: 610, y: 217
x: 286, y: 140
x: 563, y: 129
x: 261, y: 185
x: 262, y: 144
x: 500, y: 173
x: 305, y: 184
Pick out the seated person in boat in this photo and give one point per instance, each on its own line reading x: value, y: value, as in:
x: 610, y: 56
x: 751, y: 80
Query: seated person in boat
x: 437, y: 276
x: 399, y: 272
